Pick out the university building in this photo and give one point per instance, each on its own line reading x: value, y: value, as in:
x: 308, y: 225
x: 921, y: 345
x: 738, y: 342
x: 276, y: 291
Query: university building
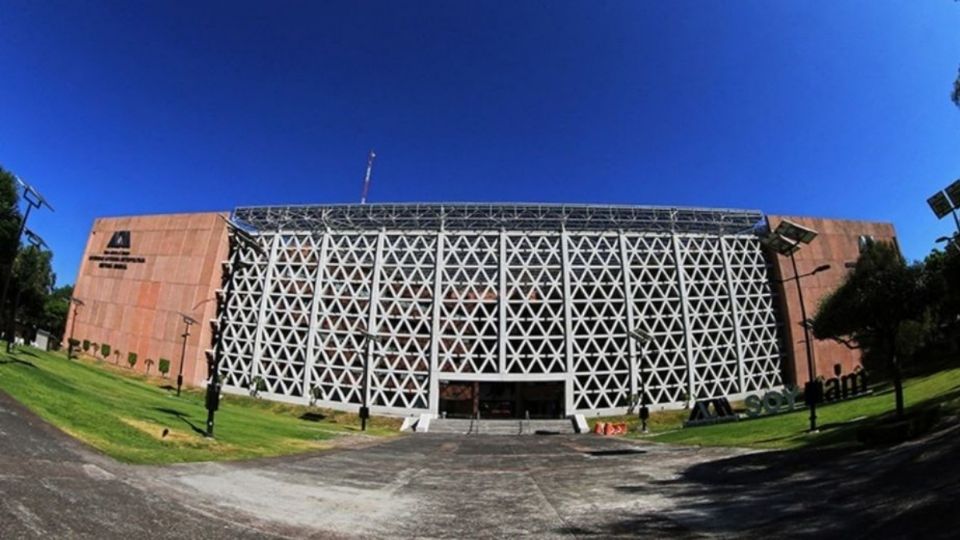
x: 459, y: 309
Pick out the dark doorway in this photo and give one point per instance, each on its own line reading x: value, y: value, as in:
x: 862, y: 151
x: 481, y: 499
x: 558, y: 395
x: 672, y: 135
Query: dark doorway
x: 495, y: 399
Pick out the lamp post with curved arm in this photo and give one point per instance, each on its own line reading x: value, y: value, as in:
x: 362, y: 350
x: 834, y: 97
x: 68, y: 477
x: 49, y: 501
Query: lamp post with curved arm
x: 786, y: 240
x: 77, y: 304
x: 34, y: 200
x: 188, y: 321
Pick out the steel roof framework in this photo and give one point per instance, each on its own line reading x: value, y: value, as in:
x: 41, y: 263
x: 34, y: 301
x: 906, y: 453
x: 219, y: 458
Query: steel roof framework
x: 497, y: 216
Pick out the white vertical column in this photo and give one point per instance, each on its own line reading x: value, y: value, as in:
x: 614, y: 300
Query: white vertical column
x: 629, y: 303
x: 567, y: 323
x: 685, y: 307
x: 735, y: 311
x: 502, y: 303
x: 312, y: 331
x: 372, y: 305
x: 435, y: 326
x: 255, y: 368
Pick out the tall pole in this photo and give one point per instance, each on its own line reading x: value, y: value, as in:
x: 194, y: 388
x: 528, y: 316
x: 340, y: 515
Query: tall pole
x: 366, y: 178
x: 811, y: 370
x: 73, y: 324
x: 364, y: 409
x: 183, y: 354
x: 644, y: 411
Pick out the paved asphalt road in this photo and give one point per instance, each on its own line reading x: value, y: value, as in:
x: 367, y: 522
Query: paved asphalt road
x: 490, y: 487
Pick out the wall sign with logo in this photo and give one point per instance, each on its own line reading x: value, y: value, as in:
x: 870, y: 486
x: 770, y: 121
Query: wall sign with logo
x: 117, y: 253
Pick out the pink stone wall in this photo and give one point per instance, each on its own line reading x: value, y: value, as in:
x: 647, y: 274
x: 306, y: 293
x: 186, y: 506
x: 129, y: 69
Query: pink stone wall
x: 836, y: 244
x: 137, y: 309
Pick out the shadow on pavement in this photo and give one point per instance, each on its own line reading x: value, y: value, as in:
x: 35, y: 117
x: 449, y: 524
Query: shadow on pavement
x: 904, y: 491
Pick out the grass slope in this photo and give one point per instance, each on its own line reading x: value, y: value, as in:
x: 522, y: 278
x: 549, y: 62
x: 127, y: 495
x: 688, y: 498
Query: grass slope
x: 124, y: 415
x: 837, y: 421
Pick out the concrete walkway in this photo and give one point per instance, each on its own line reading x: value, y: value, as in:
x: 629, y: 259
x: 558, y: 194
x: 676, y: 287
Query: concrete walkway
x: 451, y: 486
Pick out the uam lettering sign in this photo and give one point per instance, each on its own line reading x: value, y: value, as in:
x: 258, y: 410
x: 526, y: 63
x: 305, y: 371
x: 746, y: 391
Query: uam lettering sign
x: 117, y: 253
x: 838, y: 388
x: 773, y: 402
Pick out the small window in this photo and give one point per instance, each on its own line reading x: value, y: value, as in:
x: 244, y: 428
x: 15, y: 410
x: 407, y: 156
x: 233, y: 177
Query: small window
x: 864, y: 242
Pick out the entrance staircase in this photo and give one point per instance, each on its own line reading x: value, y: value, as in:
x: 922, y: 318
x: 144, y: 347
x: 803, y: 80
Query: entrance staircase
x: 501, y: 427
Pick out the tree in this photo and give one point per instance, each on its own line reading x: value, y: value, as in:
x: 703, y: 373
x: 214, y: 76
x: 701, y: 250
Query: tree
x: 32, y: 281
x: 105, y: 350
x: 879, y: 308
x: 9, y: 228
x: 148, y: 362
x: 9, y: 218
x: 132, y: 359
x: 56, y: 307
x: 164, y: 366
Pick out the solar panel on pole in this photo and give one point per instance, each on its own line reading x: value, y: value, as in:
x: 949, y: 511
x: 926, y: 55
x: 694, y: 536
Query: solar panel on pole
x: 939, y: 204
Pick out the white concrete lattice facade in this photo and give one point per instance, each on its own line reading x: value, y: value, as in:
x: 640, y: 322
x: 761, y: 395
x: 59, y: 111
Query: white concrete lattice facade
x: 499, y: 293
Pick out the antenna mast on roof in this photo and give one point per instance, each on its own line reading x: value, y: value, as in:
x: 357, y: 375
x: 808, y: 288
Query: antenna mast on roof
x: 366, y: 178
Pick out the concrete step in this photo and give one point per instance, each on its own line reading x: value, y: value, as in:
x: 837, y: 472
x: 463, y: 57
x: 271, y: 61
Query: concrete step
x: 500, y: 427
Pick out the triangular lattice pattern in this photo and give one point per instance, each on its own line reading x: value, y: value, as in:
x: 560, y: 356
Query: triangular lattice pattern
x: 657, y: 309
x: 598, y: 320
x: 761, y: 342
x: 470, y: 302
x: 342, y: 317
x: 296, y: 314
x: 240, y: 318
x: 286, y: 313
x: 534, y: 304
x: 710, y: 316
x: 400, y: 372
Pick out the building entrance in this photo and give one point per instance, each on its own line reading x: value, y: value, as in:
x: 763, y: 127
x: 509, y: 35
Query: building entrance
x: 499, y: 399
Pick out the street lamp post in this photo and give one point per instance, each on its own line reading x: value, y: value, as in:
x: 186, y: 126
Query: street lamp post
x: 373, y: 338
x: 787, y: 240
x: 642, y: 338
x: 187, y: 322
x: 237, y: 236
x: 34, y: 200
x: 38, y: 243
x: 77, y: 304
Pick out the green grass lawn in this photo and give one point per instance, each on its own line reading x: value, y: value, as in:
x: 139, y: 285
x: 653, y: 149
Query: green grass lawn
x: 124, y: 415
x: 837, y: 421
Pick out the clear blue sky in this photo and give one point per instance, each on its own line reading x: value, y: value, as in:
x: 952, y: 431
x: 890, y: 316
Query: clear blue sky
x: 836, y: 109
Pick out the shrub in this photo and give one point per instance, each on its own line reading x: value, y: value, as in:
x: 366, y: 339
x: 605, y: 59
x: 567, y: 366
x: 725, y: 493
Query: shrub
x: 132, y: 359
x: 257, y: 385
x: 86, y: 345
x: 164, y: 366
x: 105, y: 350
